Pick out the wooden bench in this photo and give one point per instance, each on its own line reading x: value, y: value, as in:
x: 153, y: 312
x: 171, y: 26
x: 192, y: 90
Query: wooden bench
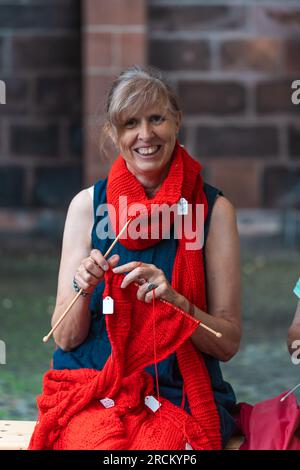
x: 15, y: 435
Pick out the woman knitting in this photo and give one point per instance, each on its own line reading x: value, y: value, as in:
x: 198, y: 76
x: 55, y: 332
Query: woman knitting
x: 105, y: 391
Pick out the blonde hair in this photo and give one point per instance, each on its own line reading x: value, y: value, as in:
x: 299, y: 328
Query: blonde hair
x: 135, y: 89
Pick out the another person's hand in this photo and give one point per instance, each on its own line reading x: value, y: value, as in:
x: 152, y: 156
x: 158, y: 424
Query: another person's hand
x: 91, y: 270
x: 151, y: 280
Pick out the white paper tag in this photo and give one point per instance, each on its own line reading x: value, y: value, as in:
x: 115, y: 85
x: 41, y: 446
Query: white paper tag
x: 152, y: 403
x: 107, y: 402
x: 182, y: 206
x: 188, y: 446
x: 108, y: 305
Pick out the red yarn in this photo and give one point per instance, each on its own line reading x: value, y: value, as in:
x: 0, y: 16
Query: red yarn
x: 188, y: 276
x: 70, y: 415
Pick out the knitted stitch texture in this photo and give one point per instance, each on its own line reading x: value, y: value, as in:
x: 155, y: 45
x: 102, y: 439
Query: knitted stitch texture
x: 70, y: 414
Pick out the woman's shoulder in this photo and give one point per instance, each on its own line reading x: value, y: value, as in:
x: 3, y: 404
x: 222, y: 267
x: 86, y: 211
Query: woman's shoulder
x: 79, y: 220
x: 223, y: 229
x: 82, y: 201
x: 85, y: 202
x: 80, y: 213
x: 219, y: 205
x: 223, y: 209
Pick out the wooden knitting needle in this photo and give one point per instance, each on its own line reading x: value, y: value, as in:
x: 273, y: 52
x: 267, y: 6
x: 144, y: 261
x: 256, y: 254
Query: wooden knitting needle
x: 291, y: 391
x: 214, y: 332
x: 46, y: 338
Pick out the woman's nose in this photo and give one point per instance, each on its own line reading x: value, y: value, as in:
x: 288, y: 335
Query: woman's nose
x: 145, y: 131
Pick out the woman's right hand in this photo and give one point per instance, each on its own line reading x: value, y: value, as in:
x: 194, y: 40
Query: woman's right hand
x: 91, y: 270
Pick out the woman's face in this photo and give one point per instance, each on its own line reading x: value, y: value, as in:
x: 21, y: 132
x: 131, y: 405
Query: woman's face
x: 146, y: 140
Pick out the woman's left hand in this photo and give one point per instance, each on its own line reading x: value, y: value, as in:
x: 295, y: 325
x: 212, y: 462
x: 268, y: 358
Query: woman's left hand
x: 151, y: 280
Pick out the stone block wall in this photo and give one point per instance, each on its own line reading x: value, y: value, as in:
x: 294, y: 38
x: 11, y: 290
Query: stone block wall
x: 232, y: 64
x: 40, y: 124
x: 114, y: 37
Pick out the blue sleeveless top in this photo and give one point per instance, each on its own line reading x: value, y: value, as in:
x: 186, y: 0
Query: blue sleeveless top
x: 95, y: 350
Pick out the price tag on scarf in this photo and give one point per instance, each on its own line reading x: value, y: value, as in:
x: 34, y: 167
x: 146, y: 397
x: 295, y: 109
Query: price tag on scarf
x: 108, y: 305
x: 188, y: 446
x: 182, y: 206
x: 152, y: 403
x: 107, y: 402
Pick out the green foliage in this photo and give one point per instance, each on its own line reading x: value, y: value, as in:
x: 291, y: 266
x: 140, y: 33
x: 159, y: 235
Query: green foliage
x: 27, y: 293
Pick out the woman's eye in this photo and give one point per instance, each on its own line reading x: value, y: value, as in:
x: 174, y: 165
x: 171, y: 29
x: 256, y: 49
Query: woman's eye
x: 157, y: 119
x: 130, y: 124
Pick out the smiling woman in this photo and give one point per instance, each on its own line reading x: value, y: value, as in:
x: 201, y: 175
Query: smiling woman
x: 143, y: 121
x: 146, y: 141
x: 148, y: 362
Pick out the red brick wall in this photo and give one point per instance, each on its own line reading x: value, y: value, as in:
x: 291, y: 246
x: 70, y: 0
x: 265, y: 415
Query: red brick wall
x: 40, y: 125
x: 233, y: 65
x: 114, y: 37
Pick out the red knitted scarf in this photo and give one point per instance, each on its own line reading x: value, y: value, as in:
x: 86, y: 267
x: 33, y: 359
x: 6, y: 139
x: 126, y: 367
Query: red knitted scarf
x: 183, y: 180
x: 188, y: 276
x: 70, y: 415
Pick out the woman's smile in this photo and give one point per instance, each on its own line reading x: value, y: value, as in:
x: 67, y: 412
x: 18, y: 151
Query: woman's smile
x: 148, y: 152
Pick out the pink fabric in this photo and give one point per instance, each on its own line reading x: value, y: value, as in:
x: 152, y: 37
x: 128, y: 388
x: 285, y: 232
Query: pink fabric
x: 270, y: 424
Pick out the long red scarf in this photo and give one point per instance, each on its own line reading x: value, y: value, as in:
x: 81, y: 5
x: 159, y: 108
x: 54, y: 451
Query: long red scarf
x: 188, y: 275
x: 70, y: 415
x: 183, y: 180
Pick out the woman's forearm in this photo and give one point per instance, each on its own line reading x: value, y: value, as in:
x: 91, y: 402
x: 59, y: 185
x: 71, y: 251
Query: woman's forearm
x: 74, y: 328
x: 223, y: 348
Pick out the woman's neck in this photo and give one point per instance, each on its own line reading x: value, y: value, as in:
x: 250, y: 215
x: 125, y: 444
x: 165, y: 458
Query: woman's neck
x: 150, y: 192
x: 151, y: 184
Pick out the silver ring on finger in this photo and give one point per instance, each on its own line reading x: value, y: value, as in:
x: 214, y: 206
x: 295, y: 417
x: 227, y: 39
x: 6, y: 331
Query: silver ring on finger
x: 151, y: 287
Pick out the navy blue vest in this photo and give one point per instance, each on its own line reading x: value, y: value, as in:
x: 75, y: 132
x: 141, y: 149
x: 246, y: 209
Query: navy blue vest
x: 95, y: 350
